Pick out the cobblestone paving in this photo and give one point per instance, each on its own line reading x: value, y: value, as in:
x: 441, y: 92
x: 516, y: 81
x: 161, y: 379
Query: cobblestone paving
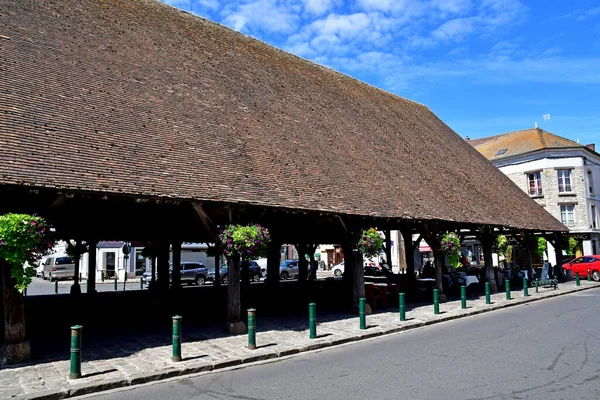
x: 148, y: 358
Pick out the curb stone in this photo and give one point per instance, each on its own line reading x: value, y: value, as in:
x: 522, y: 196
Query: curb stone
x: 94, y: 387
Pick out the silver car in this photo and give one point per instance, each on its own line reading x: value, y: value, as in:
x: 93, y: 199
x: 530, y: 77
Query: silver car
x: 190, y: 272
x: 57, y: 267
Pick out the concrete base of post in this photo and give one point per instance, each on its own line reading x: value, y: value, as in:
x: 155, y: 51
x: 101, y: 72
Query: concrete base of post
x: 236, y: 328
x: 15, y: 353
x: 75, y: 289
x: 368, y: 310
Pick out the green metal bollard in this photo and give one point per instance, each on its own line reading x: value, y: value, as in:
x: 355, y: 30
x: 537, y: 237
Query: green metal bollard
x: 141, y: 284
x: 402, y: 307
x: 361, y: 313
x: 80, y: 277
x: 75, y: 352
x: 56, y: 287
x: 507, y: 283
x: 436, y: 302
x: 577, y: 283
x: 463, y: 297
x: 525, y: 287
x: 589, y: 276
x: 537, y: 285
x: 115, y: 283
x: 176, y: 338
x: 487, y: 293
x: 102, y: 276
x: 125, y: 280
x: 312, y: 320
x: 87, y: 285
x: 25, y: 292
x: 251, y: 329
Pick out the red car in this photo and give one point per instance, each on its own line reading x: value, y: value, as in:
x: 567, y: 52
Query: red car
x: 582, y: 264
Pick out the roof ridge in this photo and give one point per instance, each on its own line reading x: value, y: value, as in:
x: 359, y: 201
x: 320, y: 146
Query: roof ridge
x: 331, y: 70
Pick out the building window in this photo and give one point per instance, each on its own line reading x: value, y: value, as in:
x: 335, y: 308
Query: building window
x: 567, y: 215
x: 594, y: 217
x: 590, y: 182
x: 564, y: 180
x: 535, y: 183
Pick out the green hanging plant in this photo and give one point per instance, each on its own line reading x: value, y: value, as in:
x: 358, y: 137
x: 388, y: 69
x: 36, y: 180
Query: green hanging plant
x: 542, y: 245
x: 249, y: 241
x: 450, y: 244
x: 572, y: 245
x: 23, y: 239
x: 370, y: 243
x: 504, y: 248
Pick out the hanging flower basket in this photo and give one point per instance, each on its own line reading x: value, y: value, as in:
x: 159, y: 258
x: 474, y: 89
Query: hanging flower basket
x: 249, y: 241
x: 370, y: 243
x: 450, y: 243
x: 23, y: 239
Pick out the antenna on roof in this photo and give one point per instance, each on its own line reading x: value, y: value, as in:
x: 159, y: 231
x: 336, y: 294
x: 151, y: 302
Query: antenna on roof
x: 546, y: 117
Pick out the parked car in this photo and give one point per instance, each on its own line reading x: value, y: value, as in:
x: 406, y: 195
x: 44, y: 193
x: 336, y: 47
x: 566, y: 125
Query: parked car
x: 190, y: 272
x: 338, y: 270
x: 288, y: 269
x: 56, y: 267
x: 254, y: 271
x: 582, y: 264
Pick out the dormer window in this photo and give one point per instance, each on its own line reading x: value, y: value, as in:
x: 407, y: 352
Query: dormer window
x: 564, y: 181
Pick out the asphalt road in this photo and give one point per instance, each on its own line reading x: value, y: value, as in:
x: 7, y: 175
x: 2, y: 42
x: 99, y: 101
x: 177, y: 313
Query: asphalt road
x: 39, y: 286
x: 544, y: 350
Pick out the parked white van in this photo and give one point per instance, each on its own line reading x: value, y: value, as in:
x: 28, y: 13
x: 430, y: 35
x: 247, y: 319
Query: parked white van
x: 56, y: 267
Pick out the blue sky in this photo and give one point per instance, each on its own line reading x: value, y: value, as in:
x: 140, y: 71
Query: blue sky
x: 483, y: 66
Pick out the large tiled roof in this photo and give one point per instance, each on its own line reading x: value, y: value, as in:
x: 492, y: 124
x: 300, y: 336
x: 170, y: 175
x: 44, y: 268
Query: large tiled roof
x: 136, y: 97
x: 516, y: 143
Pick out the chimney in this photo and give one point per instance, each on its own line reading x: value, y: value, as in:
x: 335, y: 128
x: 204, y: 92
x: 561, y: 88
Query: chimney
x: 591, y: 146
x: 467, y: 138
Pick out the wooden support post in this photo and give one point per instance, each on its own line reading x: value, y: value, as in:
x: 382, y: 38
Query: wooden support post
x: 487, y: 241
x: 273, y: 261
x: 235, y: 326
x: 558, y: 249
x: 15, y: 349
x: 302, y: 263
x: 217, y: 282
x: 176, y: 273
x: 91, y: 279
x: 75, y: 288
x: 163, y: 266
x: 313, y: 265
x: 388, y: 249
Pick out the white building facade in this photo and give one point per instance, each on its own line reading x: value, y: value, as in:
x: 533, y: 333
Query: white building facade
x: 560, y: 175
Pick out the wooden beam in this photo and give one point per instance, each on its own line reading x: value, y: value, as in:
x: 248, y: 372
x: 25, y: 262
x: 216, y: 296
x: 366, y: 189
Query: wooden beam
x: 208, y: 224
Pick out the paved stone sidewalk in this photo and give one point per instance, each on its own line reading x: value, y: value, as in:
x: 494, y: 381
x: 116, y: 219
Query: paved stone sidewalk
x: 148, y: 358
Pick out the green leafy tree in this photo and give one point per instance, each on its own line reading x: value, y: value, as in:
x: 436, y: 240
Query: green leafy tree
x: 572, y: 245
x: 23, y: 239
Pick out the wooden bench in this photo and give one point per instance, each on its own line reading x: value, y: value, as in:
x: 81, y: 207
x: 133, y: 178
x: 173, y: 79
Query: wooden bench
x: 546, y: 282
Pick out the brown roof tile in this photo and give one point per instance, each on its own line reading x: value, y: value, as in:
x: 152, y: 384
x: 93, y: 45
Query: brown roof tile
x: 139, y: 98
x: 520, y: 142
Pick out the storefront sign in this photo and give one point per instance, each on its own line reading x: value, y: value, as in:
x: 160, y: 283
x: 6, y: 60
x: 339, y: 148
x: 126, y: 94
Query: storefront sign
x: 580, y: 236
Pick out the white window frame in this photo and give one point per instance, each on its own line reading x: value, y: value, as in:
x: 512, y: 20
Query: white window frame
x: 594, y: 216
x: 537, y: 180
x: 564, y: 214
x: 564, y: 181
x: 590, y: 182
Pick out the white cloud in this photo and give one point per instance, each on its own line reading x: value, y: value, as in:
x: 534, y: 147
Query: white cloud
x: 264, y: 15
x: 454, y: 29
x: 318, y: 7
x: 452, y: 6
